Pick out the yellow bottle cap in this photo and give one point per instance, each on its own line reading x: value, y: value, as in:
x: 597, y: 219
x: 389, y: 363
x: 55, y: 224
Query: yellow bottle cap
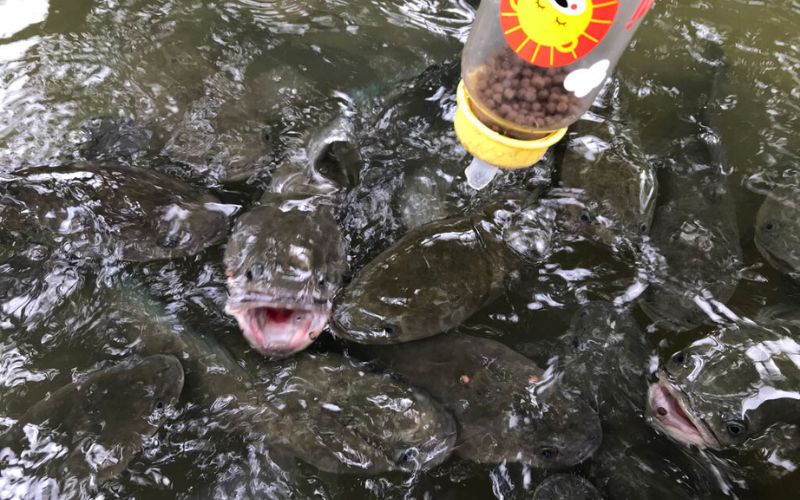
x: 492, y: 147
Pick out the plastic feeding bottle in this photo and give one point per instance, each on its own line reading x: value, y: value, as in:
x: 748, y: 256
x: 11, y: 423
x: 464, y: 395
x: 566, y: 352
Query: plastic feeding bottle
x: 530, y: 68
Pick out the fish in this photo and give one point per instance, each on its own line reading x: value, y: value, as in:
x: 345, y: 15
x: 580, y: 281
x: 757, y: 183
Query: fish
x: 694, y: 255
x: 439, y: 274
x: 110, y: 211
x: 776, y: 220
x: 607, y: 187
x: 286, y: 257
x: 322, y: 409
x: 506, y: 407
x: 87, y: 432
x: 343, y: 418
x: 563, y: 486
x: 694, y: 238
x: 115, y: 139
x: 598, y: 333
x: 737, y: 388
x: 605, y: 354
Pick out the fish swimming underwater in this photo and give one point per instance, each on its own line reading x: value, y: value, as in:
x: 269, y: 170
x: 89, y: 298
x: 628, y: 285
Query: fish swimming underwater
x: 107, y: 210
x: 506, y: 407
x: 87, y: 432
x: 607, y: 187
x: 439, y: 274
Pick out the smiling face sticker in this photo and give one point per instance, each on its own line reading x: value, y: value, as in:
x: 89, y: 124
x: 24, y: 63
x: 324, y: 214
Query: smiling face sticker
x: 555, y: 32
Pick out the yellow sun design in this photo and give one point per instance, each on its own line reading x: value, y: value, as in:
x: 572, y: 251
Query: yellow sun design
x: 555, y: 32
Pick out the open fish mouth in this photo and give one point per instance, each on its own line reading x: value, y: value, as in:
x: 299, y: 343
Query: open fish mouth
x: 667, y: 409
x: 278, y: 328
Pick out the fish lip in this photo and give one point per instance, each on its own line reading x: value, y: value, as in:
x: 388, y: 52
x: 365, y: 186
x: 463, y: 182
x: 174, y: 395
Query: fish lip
x: 776, y: 262
x: 243, y: 307
x: 705, y: 436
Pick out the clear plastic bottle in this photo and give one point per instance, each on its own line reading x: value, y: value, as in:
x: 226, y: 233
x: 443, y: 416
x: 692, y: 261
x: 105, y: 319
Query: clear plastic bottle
x: 534, y: 66
x: 530, y: 68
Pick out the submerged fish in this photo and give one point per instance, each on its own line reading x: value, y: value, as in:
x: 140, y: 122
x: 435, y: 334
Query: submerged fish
x: 88, y: 431
x: 112, y: 211
x: 286, y: 257
x: 506, y: 408
x: 599, y: 332
x: 777, y: 231
x: 438, y: 275
x: 737, y: 388
x: 323, y: 409
x: 566, y: 486
x: 607, y: 187
x: 341, y: 418
x: 694, y: 258
x: 695, y: 238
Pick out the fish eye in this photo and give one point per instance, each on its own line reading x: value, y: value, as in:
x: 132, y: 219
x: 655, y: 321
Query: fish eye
x: 255, y: 271
x: 547, y: 452
x: 769, y: 226
x: 159, y: 405
x: 735, y: 427
x: 388, y: 330
x: 408, y: 456
x: 168, y: 241
x: 678, y: 358
x: 266, y: 135
x: 643, y: 228
x: 585, y: 216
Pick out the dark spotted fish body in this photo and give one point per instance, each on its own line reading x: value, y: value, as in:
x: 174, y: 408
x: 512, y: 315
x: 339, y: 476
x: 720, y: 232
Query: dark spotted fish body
x: 106, y: 210
x: 87, y: 432
x: 506, y: 407
x: 694, y: 256
x: 439, y: 274
x: 342, y: 419
x: 605, y: 353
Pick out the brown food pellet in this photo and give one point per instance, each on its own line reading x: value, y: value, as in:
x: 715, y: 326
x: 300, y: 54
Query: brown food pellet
x: 524, y: 94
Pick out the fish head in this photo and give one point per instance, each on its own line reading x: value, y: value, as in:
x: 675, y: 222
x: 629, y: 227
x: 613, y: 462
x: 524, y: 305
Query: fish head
x: 407, y: 427
x: 564, y: 429
x: 720, y: 391
x: 158, y: 381
x: 283, y: 268
x: 777, y: 230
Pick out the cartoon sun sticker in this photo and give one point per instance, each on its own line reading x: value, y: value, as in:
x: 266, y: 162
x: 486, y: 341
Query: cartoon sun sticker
x: 555, y: 32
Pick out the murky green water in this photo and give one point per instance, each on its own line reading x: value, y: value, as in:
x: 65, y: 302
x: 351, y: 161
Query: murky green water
x: 227, y: 85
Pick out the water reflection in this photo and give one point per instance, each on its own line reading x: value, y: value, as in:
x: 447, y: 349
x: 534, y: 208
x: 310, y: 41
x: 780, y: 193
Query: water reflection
x: 226, y: 93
